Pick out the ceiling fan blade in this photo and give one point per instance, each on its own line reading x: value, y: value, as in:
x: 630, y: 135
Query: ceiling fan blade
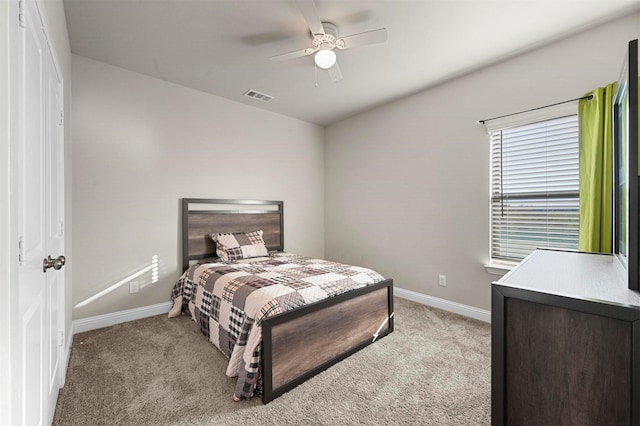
x: 310, y: 13
x: 335, y: 73
x: 290, y: 55
x: 361, y: 39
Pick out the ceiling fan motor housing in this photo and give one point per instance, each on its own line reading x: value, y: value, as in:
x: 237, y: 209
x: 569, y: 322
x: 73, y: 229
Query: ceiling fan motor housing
x: 330, y: 28
x: 328, y: 40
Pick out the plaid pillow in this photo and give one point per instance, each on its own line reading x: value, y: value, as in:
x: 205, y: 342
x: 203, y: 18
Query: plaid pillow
x: 240, y: 245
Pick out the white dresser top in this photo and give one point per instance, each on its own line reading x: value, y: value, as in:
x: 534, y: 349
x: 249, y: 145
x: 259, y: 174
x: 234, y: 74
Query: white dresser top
x: 585, y: 276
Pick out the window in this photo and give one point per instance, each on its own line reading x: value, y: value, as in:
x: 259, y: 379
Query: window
x: 534, y: 187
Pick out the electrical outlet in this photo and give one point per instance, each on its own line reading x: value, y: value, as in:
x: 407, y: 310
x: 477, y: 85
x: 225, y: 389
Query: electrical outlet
x: 442, y: 279
x: 134, y: 287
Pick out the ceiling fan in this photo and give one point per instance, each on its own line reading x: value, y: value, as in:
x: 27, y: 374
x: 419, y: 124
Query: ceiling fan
x: 325, y: 40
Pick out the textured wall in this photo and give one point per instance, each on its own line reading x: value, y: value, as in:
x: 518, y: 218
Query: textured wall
x: 141, y: 144
x: 407, y: 184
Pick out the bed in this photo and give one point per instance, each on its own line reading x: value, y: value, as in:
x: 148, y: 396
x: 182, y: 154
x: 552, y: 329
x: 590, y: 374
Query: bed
x: 306, y: 328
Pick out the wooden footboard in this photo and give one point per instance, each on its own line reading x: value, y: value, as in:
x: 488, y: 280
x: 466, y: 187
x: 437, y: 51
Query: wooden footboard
x: 299, y: 344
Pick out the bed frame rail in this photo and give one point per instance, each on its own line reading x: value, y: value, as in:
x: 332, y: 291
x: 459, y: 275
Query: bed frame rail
x: 299, y: 344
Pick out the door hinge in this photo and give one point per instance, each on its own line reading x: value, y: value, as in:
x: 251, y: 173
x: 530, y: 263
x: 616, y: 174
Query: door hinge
x: 61, y: 118
x: 21, y: 250
x: 61, y: 338
x: 61, y: 228
x: 21, y: 13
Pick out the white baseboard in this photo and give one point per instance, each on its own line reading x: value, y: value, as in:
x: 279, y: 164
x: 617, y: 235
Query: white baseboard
x: 106, y: 320
x: 447, y: 305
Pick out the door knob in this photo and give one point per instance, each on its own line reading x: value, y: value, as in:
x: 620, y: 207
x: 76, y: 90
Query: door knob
x: 53, y: 263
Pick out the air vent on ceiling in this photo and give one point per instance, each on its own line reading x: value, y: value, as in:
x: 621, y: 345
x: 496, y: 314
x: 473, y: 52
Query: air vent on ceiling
x: 259, y: 96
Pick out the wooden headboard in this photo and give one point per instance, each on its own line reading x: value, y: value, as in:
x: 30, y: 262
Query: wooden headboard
x: 201, y: 217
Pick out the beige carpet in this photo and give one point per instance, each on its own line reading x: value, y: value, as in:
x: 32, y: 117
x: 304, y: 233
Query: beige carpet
x: 434, y: 369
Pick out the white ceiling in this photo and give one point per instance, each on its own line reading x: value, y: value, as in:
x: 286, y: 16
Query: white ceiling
x: 222, y: 46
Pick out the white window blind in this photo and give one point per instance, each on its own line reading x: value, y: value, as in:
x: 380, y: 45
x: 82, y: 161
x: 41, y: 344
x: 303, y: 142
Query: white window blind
x: 534, y: 188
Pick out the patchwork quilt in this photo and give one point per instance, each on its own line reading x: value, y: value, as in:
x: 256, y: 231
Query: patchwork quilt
x: 229, y: 301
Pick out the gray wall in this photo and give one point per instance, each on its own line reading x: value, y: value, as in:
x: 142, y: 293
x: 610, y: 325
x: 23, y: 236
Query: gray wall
x: 402, y: 188
x: 141, y: 144
x: 407, y: 184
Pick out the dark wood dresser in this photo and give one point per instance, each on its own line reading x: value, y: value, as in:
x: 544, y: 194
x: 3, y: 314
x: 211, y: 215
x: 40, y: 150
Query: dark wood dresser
x: 565, y: 342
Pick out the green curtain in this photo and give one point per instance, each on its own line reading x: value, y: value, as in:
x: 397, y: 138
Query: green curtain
x: 595, y: 118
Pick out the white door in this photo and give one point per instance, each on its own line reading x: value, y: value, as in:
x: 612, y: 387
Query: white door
x: 54, y: 227
x: 38, y: 141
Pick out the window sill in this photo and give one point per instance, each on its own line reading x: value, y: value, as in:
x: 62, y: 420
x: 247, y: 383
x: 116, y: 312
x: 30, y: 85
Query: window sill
x: 499, y: 268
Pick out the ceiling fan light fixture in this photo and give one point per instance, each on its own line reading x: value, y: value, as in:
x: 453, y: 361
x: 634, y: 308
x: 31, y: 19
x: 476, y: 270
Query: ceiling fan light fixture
x: 325, y: 58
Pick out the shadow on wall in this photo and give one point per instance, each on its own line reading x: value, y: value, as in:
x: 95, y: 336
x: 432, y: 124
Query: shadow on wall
x: 153, y: 268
